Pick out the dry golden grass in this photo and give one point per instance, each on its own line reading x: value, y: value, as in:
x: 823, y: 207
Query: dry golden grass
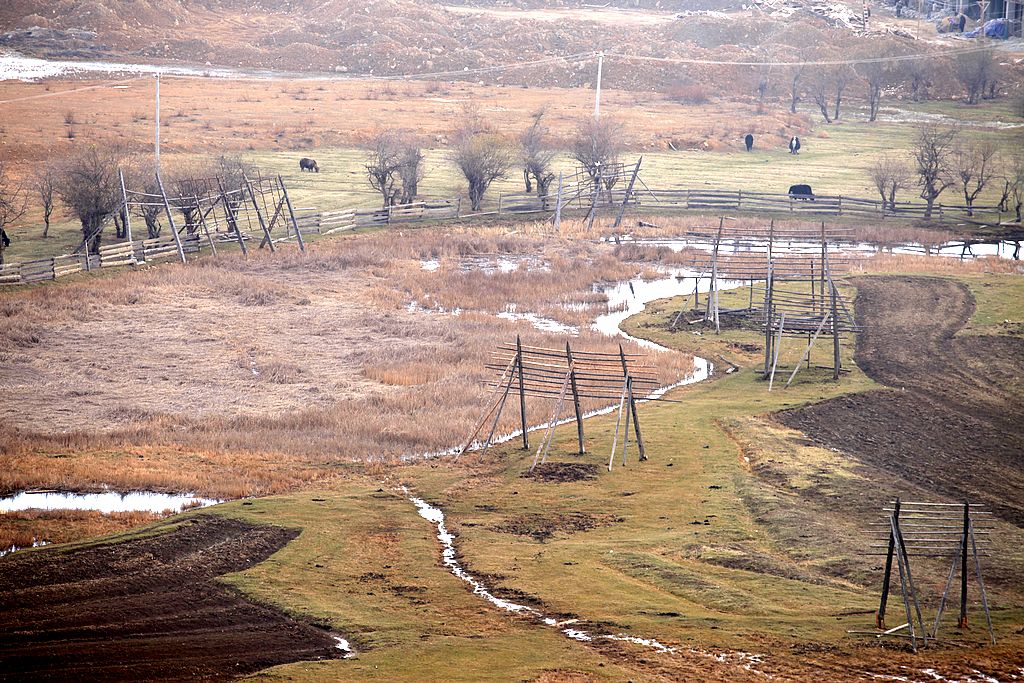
x: 26, y: 527
x: 671, y: 225
x: 945, y: 265
x: 183, y: 378
x: 225, y: 115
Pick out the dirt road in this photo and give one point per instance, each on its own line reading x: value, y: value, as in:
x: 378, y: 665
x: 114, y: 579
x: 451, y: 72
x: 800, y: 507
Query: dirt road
x: 148, y: 609
x: 951, y: 423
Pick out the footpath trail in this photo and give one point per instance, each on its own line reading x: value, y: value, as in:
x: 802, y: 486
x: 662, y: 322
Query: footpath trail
x: 149, y: 608
x: 950, y: 422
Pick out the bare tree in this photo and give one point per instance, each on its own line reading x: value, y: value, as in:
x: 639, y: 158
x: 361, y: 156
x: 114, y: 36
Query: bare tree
x: 877, y: 75
x: 481, y: 154
x: 890, y: 176
x: 12, y: 206
x: 763, y: 86
x: 842, y: 75
x: 537, y: 157
x: 411, y: 170
x: 1015, y: 173
x: 974, y: 167
x: 918, y: 74
x: 796, y: 79
x: 45, y: 181
x: 89, y: 186
x: 933, y: 148
x: 974, y: 70
x: 597, y: 145
x: 382, y: 164
x: 185, y: 184
x: 395, y: 167
x: 820, y: 88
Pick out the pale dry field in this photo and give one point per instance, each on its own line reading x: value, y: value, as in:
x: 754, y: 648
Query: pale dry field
x: 316, y: 358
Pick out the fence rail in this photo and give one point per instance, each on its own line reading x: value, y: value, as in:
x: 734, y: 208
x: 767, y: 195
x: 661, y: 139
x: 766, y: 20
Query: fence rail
x: 576, y: 197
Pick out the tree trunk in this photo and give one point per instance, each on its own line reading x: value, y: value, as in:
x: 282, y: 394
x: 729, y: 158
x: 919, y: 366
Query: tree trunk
x: 526, y: 177
x: 92, y: 234
x: 874, y: 99
x: 823, y: 108
x: 929, y: 202
x: 46, y: 225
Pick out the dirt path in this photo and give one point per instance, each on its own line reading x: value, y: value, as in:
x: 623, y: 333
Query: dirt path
x: 952, y: 426
x: 148, y: 609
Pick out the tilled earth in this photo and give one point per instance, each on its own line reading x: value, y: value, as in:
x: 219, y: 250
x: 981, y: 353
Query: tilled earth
x: 148, y: 609
x: 951, y: 422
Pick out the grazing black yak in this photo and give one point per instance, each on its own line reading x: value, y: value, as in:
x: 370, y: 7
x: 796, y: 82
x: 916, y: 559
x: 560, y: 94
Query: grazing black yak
x: 794, y: 145
x: 801, y: 192
x: 749, y: 141
x: 307, y: 164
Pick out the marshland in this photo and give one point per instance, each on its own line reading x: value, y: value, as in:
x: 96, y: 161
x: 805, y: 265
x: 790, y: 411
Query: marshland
x: 307, y: 420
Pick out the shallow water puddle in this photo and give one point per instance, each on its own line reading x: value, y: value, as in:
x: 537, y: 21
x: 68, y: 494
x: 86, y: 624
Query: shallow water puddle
x: 630, y: 297
x: 1005, y: 249
x: 16, y: 548
x: 435, y: 516
x: 106, y: 502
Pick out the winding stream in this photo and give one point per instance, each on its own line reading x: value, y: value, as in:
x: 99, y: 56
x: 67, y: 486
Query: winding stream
x: 571, y: 628
x: 624, y: 299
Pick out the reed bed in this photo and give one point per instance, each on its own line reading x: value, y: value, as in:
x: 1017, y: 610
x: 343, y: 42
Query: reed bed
x: 22, y: 529
x: 236, y: 376
x: 939, y: 265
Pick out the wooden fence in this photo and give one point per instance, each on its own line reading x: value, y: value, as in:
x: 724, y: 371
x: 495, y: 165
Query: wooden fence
x: 575, y: 198
x: 110, y: 255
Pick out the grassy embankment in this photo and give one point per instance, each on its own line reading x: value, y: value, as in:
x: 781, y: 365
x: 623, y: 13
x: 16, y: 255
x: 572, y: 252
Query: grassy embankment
x: 736, y: 534
x: 694, y: 546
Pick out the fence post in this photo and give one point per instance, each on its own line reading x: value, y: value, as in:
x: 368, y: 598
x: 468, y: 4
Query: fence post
x: 739, y: 199
x: 499, y: 203
x: 170, y: 219
x: 291, y: 212
x: 127, y: 216
x: 558, y: 206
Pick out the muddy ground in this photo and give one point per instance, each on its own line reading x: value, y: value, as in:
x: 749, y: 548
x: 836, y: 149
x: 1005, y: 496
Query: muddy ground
x: 950, y: 423
x: 148, y: 609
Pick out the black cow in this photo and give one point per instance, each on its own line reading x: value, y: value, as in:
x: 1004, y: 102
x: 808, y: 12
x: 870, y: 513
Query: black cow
x: 794, y: 145
x: 749, y: 141
x: 803, y: 192
x: 307, y: 164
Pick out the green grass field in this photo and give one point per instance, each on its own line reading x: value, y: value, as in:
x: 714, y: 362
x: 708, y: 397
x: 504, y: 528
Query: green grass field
x: 834, y: 160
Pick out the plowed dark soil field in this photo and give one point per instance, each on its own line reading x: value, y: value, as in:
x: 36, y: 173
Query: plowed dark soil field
x: 950, y: 422
x: 148, y: 609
